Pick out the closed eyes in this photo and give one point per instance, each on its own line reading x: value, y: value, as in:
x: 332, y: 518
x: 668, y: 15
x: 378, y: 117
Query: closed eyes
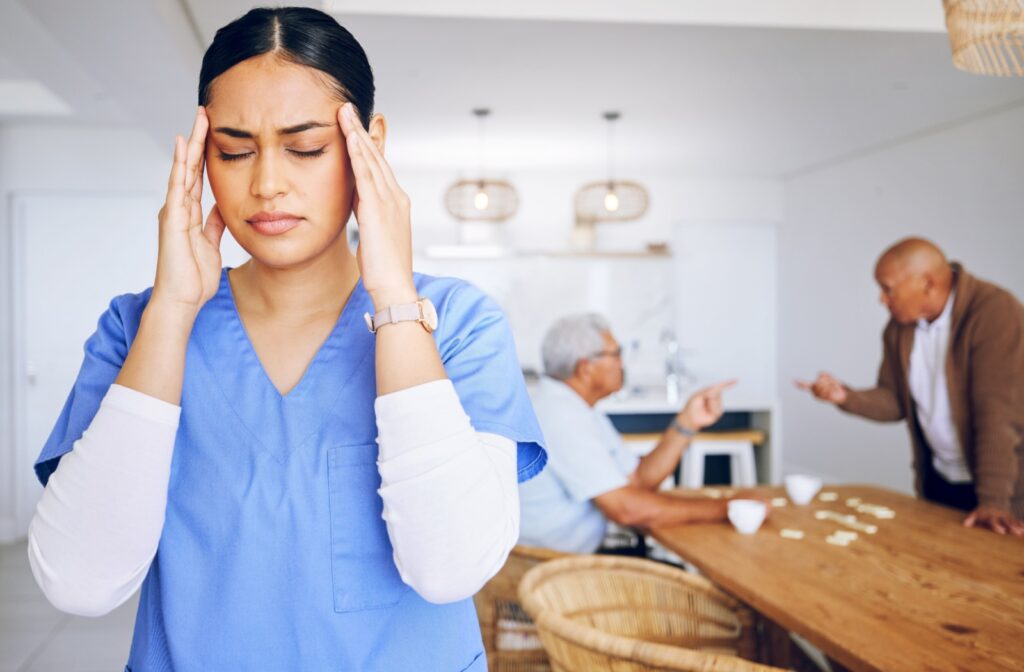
x: 301, y: 154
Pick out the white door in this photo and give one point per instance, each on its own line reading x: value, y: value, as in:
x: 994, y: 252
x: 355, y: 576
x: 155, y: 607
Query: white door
x: 74, y: 253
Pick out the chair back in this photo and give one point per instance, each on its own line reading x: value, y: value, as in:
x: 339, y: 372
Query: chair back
x: 633, y: 615
x: 510, y: 637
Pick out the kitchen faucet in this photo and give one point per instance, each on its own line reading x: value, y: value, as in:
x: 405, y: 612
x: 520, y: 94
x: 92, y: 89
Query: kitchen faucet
x: 674, y: 370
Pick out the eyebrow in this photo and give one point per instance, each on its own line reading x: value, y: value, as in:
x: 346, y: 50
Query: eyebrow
x: 290, y: 130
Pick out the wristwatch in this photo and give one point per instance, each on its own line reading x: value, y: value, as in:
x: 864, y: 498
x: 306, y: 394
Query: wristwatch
x: 678, y: 426
x: 422, y: 311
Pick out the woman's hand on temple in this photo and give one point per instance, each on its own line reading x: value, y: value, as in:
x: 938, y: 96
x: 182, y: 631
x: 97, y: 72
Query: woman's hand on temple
x: 382, y: 211
x: 188, y: 263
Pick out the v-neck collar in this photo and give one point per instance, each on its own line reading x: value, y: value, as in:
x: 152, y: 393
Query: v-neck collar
x: 281, y: 422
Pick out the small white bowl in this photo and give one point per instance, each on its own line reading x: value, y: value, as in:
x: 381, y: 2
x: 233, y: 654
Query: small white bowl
x: 802, y: 488
x: 746, y: 515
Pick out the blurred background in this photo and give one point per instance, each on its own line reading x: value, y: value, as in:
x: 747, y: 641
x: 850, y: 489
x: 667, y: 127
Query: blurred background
x: 746, y: 160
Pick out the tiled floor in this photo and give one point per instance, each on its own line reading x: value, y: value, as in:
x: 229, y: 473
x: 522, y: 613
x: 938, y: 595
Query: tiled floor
x: 35, y: 637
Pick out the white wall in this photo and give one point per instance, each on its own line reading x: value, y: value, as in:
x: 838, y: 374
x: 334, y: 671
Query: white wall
x: 7, y: 491
x: 45, y: 158
x: 722, y: 225
x: 81, y: 157
x: 962, y: 188
x: 545, y: 214
x: 725, y: 291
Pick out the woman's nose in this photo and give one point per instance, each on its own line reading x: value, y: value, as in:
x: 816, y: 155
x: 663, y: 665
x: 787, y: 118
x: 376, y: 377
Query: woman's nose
x: 269, y: 178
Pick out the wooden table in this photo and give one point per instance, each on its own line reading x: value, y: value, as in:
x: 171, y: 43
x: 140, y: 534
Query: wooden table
x: 923, y: 593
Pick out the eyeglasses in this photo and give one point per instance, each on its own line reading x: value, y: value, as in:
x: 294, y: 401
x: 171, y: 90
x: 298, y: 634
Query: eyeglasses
x: 616, y: 353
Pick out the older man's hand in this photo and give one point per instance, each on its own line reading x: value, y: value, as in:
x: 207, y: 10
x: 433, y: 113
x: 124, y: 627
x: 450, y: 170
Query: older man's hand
x: 704, y: 407
x: 993, y: 519
x: 826, y: 388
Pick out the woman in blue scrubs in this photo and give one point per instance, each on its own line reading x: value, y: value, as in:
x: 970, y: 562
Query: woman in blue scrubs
x: 276, y: 546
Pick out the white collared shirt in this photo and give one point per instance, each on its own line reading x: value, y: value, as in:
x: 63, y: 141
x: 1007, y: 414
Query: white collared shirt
x: 930, y: 391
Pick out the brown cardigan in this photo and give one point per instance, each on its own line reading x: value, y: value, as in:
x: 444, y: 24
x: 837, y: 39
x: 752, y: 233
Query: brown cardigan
x: 985, y: 374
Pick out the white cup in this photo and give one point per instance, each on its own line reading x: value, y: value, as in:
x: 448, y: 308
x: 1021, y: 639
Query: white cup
x: 801, y: 488
x: 746, y: 515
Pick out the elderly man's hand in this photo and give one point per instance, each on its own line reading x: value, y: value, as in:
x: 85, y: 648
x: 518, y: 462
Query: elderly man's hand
x: 993, y: 519
x: 704, y: 407
x: 826, y: 388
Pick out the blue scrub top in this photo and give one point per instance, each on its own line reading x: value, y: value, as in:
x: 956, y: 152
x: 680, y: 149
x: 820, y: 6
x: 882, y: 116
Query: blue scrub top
x: 274, y: 554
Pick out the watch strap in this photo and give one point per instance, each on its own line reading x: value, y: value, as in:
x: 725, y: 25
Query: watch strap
x: 676, y: 425
x: 403, y: 312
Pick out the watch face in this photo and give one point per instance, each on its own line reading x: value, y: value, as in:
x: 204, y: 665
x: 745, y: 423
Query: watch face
x: 429, y: 314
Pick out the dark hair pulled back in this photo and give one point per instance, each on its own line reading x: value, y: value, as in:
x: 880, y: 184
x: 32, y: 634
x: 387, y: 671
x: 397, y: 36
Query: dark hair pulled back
x: 300, y: 35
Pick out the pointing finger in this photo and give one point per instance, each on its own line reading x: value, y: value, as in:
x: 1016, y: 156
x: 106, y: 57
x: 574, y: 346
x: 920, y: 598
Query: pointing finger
x: 716, y: 389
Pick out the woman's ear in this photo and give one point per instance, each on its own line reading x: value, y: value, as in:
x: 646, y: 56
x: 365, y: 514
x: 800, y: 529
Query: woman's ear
x: 378, y: 131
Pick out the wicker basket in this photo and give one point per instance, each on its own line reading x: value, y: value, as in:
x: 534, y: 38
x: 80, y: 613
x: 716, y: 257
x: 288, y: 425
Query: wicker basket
x: 510, y: 637
x: 987, y: 36
x: 626, y: 615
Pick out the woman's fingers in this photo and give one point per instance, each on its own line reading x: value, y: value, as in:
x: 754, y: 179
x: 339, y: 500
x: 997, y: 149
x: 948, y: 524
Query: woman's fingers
x: 366, y: 185
x: 363, y: 163
x: 360, y: 167
x: 379, y: 168
x: 196, y: 192
x: 214, y: 227
x: 177, y: 176
x: 175, y: 214
x: 195, y: 215
x: 374, y: 155
x: 196, y: 149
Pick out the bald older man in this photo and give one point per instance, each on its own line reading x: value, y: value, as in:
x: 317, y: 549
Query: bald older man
x: 953, y: 367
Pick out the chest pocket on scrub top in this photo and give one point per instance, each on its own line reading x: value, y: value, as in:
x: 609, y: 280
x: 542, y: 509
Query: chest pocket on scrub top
x: 363, y: 570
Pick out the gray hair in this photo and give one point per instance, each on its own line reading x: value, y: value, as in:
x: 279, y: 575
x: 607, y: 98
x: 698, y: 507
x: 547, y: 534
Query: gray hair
x: 570, y: 339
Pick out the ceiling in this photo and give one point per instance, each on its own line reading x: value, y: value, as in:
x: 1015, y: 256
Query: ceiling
x: 703, y: 100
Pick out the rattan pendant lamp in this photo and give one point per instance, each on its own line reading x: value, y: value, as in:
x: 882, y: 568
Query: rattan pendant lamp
x: 610, y: 200
x: 481, y: 200
x: 987, y: 36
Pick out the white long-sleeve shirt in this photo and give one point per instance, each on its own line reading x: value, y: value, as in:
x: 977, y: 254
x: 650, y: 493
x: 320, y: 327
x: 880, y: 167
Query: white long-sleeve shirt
x: 930, y: 390
x: 450, y: 499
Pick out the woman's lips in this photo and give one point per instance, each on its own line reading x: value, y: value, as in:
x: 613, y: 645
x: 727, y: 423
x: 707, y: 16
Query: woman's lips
x: 273, y: 223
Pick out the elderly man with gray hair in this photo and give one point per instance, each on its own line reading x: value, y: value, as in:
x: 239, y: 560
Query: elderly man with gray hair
x: 590, y: 476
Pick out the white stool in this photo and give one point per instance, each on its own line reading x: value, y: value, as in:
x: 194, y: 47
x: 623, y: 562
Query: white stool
x: 739, y: 446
